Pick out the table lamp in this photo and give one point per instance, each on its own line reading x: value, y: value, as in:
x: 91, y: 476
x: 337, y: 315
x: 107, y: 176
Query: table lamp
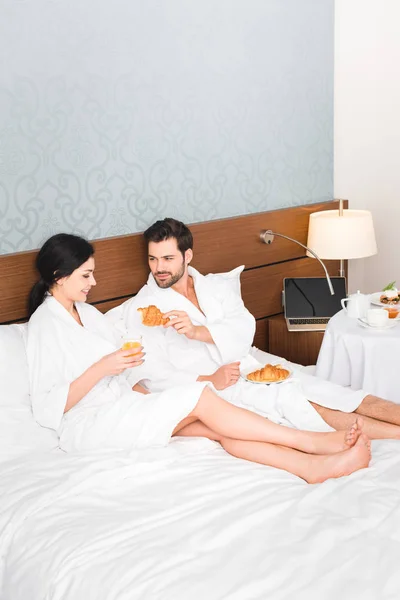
x: 341, y: 235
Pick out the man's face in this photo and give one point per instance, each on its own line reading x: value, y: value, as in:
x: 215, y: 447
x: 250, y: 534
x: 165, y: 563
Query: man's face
x: 167, y: 263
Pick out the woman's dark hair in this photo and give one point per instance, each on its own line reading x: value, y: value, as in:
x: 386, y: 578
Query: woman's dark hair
x: 170, y: 228
x: 59, y: 256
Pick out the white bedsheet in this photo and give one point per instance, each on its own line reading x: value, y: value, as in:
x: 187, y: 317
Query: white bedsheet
x: 190, y: 522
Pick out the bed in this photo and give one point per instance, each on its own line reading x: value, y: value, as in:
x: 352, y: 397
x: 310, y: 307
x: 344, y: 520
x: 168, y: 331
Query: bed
x: 188, y: 520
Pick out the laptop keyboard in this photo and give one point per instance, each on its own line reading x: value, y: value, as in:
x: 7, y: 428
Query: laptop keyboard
x: 308, y: 321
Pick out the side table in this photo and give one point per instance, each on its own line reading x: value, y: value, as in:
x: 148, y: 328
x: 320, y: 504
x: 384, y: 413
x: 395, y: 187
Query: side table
x: 300, y: 347
x: 361, y: 357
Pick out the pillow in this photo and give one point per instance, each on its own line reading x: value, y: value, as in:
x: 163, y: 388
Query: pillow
x: 231, y: 278
x: 14, y: 378
x: 19, y: 431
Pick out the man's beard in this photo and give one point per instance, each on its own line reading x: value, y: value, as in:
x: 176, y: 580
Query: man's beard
x: 167, y: 283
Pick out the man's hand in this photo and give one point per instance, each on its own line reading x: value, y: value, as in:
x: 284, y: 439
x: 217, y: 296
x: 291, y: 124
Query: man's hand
x: 180, y: 321
x: 116, y: 362
x: 225, y: 376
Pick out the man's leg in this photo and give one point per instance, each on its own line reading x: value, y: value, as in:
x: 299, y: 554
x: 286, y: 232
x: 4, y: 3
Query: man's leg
x: 382, y: 410
x: 371, y: 406
x: 374, y: 428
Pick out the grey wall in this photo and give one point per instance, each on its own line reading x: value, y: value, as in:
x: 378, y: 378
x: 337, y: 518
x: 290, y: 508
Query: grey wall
x: 115, y: 113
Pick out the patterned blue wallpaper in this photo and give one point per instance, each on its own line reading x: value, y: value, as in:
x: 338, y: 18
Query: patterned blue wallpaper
x: 114, y: 114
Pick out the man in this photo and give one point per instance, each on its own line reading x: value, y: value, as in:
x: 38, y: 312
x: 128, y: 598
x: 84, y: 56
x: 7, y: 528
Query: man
x: 209, y: 334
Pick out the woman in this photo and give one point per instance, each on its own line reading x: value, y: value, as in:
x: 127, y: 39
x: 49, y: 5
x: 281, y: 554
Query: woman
x: 81, y: 386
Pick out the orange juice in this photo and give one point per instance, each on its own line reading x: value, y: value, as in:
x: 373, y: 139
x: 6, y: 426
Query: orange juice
x: 393, y: 311
x: 131, y: 345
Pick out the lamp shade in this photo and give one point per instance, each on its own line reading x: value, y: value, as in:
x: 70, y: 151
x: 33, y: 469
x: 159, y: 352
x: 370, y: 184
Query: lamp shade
x: 336, y: 237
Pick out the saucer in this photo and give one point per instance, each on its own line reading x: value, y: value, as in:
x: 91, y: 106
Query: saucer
x: 389, y: 325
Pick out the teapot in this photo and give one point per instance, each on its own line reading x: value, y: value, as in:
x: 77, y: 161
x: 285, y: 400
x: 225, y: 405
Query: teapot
x: 357, y: 305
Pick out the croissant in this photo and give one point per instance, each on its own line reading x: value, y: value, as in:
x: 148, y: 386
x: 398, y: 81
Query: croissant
x: 152, y: 316
x: 269, y: 374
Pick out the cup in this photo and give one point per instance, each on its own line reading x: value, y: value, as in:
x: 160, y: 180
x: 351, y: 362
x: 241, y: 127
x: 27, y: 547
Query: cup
x: 133, y: 342
x: 377, y: 317
x: 393, y: 311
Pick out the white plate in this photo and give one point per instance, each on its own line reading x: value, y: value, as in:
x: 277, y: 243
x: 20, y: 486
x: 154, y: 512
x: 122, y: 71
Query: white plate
x: 245, y: 372
x: 391, y: 323
x: 374, y: 299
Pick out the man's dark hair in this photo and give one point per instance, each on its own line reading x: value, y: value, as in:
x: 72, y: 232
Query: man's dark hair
x: 167, y: 229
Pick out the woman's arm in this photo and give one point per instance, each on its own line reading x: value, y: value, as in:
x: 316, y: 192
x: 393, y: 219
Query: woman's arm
x: 111, y: 364
x: 82, y: 385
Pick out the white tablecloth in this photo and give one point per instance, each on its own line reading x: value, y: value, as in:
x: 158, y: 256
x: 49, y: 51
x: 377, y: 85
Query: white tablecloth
x: 355, y: 356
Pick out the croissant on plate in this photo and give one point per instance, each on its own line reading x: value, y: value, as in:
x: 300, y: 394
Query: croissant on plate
x: 269, y: 374
x: 152, y: 316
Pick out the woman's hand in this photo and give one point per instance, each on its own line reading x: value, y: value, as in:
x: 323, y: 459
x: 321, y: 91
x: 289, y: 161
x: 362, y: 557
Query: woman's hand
x: 139, y: 388
x: 116, y: 362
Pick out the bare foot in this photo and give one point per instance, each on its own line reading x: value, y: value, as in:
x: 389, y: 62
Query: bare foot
x: 341, y: 464
x: 337, y: 441
x: 351, y: 435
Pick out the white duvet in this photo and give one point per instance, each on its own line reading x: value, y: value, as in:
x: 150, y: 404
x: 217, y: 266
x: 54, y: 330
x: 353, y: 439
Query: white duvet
x: 188, y: 521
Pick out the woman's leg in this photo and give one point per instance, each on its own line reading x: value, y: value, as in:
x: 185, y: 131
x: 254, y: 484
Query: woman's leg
x: 240, y: 424
x: 311, y: 468
x: 196, y: 429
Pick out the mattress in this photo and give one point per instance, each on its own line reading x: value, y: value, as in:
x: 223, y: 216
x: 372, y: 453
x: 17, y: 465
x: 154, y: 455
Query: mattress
x: 191, y: 522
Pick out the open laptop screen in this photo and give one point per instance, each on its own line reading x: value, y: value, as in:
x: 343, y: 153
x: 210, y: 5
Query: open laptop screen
x: 307, y: 297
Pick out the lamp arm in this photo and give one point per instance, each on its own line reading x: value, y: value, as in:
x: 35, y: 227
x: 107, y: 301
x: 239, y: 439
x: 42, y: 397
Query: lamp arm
x: 268, y: 237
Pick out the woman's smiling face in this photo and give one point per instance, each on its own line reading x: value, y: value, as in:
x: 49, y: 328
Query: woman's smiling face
x: 76, y: 287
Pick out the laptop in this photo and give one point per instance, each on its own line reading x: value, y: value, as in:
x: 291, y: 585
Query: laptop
x: 308, y: 302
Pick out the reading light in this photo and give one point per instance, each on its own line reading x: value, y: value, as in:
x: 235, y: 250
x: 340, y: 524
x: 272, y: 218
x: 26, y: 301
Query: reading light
x: 268, y: 237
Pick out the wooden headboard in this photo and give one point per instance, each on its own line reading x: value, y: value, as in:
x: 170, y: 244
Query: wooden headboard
x: 221, y: 245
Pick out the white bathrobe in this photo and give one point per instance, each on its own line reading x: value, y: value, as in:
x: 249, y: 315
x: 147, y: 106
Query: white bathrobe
x: 172, y: 358
x: 111, y: 415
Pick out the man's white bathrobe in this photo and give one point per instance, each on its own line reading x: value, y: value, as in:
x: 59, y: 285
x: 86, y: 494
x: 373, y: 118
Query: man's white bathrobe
x: 111, y: 415
x: 172, y: 358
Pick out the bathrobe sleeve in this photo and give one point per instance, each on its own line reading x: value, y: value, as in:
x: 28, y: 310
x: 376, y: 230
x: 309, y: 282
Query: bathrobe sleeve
x: 232, y: 334
x: 49, y: 392
x: 157, y: 372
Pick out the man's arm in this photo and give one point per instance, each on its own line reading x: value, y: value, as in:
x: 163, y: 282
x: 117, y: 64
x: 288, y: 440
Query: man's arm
x: 223, y: 377
x: 180, y: 321
x: 232, y: 335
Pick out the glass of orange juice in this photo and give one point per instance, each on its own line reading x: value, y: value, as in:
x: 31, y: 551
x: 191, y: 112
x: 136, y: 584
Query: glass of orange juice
x: 393, y: 311
x: 132, y: 342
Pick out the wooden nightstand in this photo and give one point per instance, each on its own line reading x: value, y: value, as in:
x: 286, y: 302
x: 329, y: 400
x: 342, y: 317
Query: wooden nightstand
x: 297, y: 346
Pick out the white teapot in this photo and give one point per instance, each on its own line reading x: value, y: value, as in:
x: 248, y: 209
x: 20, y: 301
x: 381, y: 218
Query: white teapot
x: 357, y: 305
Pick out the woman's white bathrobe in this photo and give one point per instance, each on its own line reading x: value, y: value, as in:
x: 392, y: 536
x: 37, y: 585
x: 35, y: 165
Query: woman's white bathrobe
x: 173, y: 358
x: 111, y: 415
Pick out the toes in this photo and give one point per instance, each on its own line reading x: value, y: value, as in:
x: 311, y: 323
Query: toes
x: 359, y: 423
